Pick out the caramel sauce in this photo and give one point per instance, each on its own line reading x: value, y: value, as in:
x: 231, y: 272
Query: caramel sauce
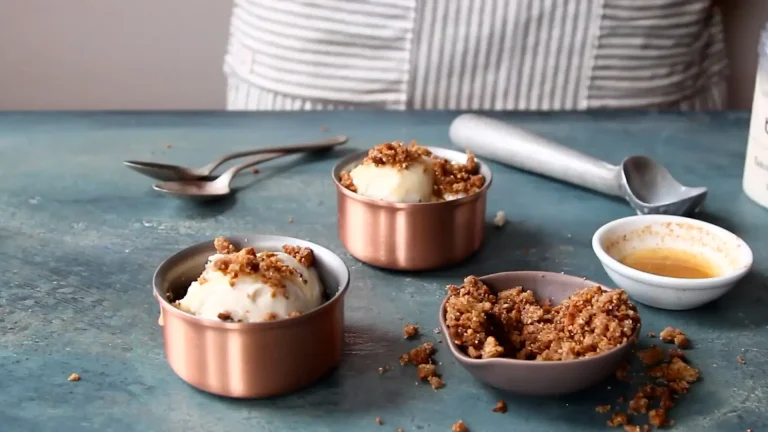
x: 671, y: 262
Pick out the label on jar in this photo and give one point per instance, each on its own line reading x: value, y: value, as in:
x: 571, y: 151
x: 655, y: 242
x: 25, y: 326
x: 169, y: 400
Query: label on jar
x: 756, y: 164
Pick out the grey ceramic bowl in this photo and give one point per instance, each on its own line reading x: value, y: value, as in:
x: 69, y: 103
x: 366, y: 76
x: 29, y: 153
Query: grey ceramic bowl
x: 540, y: 378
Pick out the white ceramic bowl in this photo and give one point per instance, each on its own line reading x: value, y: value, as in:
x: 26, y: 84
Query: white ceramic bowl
x: 616, y: 239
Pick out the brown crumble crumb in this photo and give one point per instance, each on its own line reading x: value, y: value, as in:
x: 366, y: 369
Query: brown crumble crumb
x: 422, y: 354
x: 459, y: 426
x: 676, y: 353
x: 741, y: 360
x: 378, y: 421
x: 651, y: 335
x: 436, y: 382
x: 618, y: 419
x: 652, y: 355
x: 74, y: 377
x: 303, y: 255
x: 603, y: 408
x: 426, y: 371
x: 671, y: 334
x: 404, y: 359
x: 410, y: 330
x: 169, y: 146
x: 657, y: 417
x: 383, y: 370
x: 255, y: 171
x: 290, y: 220
x: 224, y: 246
x: 346, y: 181
x: 501, y: 407
x: 622, y: 372
x: 270, y: 316
x: 225, y: 316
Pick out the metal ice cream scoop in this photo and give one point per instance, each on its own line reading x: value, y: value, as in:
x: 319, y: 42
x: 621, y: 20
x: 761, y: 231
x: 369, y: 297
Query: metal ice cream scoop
x: 647, y: 185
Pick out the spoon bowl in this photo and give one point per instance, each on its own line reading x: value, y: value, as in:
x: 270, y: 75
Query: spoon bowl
x: 650, y: 188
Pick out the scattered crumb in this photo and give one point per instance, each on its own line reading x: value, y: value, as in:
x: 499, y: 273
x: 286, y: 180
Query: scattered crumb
x: 378, y: 420
x: 459, y: 426
x: 652, y: 355
x: 603, y: 408
x: 255, y: 170
x: 676, y: 353
x: 426, y: 371
x: 168, y: 146
x: 651, y: 335
x: 618, y: 419
x: 324, y: 128
x: 290, y: 220
x: 422, y: 354
x: 436, y: 382
x: 500, y: 219
x: 677, y: 336
x: 501, y: 407
x: 399, y: 430
x: 622, y: 373
x: 410, y: 330
x: 741, y: 360
x: 405, y: 359
x: 74, y: 377
x: 658, y: 417
x: 383, y: 370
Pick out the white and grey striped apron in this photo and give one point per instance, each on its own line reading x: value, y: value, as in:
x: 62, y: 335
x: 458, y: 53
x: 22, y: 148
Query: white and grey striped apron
x: 475, y: 54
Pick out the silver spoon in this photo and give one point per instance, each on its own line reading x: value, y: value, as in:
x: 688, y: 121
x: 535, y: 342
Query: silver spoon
x: 167, y: 172
x: 647, y: 185
x: 202, y: 189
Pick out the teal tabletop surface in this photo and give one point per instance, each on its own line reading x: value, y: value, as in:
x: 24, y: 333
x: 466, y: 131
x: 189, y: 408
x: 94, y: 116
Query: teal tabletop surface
x: 80, y: 237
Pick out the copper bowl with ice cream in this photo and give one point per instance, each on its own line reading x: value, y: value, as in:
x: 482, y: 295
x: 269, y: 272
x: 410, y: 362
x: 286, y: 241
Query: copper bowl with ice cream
x: 252, y: 316
x: 410, y: 207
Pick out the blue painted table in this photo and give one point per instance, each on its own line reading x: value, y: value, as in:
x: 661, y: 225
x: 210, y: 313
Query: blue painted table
x: 80, y: 237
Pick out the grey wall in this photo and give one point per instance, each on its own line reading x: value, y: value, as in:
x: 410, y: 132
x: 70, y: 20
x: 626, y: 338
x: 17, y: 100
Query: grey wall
x: 167, y: 54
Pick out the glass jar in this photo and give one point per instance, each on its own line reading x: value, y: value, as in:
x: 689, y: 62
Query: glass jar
x: 756, y: 166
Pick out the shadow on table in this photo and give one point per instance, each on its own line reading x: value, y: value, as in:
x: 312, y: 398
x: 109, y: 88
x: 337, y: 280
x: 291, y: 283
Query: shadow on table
x: 741, y: 308
x: 356, y: 385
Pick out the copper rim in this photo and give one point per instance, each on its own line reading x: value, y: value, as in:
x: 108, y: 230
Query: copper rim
x: 248, y: 360
x: 411, y: 236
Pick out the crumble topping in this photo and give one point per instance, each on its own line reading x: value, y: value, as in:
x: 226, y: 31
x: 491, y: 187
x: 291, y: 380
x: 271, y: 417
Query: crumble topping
x: 603, y: 408
x: 501, y: 407
x: 267, y: 265
x: 225, y: 316
x: 74, y: 377
x: 270, y: 316
x: 514, y: 324
x: 459, y: 426
x: 303, y: 255
x: 420, y: 355
x: 426, y: 371
x: 410, y: 330
x: 676, y: 336
x: 450, y: 178
x: 436, y: 382
x: 652, y: 355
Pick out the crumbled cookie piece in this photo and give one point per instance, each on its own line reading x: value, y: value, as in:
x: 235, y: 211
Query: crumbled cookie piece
x: 74, y: 377
x: 405, y: 359
x: 602, y: 408
x: 457, y: 179
x: 657, y: 417
x: 223, y: 246
x: 459, y: 426
x: 651, y: 335
x: 436, y: 382
x: 501, y: 407
x: 303, y: 255
x: 346, y: 181
x: 396, y: 154
x: 379, y: 421
x: 618, y: 419
x: 422, y: 354
x: 639, y: 404
x: 671, y: 334
x: 500, y: 219
x: 426, y: 371
x: 410, y: 330
x: 652, y: 355
x: 677, y: 353
x: 741, y: 360
x: 491, y: 348
x: 225, y: 316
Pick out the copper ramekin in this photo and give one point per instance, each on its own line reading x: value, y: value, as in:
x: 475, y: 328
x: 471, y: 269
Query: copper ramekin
x: 251, y: 360
x: 411, y: 236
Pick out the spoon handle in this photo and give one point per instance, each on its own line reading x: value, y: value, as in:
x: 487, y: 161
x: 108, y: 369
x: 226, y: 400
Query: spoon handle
x: 317, y: 145
x: 229, y: 174
x: 510, y: 145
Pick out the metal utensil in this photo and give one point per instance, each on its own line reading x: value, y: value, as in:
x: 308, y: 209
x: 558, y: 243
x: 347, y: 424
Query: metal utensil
x: 167, y: 172
x: 646, y: 185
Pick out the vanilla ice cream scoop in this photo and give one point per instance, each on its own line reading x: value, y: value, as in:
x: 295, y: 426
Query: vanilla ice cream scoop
x: 249, y: 287
x: 393, y: 183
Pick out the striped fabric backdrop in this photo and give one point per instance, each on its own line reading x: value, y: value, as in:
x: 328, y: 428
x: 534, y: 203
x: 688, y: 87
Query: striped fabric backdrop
x: 471, y: 54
